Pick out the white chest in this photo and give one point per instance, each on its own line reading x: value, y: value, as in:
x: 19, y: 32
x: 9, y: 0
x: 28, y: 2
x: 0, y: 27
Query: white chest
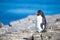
x: 39, y: 19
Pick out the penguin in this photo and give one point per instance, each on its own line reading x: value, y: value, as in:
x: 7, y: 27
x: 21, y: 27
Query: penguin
x: 41, y: 21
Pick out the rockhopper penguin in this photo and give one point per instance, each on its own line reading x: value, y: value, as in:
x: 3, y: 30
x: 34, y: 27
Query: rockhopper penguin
x: 41, y: 21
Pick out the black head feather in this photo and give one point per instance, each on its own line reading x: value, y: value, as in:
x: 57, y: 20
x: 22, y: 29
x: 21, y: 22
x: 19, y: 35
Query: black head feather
x: 40, y: 12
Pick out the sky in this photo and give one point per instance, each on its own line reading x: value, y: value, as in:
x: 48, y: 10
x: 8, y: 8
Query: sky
x: 16, y: 9
x: 30, y: 6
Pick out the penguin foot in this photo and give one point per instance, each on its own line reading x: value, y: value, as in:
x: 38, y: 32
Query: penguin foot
x: 44, y: 31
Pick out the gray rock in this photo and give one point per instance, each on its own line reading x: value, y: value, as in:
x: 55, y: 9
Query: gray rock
x: 1, y: 25
x: 26, y: 28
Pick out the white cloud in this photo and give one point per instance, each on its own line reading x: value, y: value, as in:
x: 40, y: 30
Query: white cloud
x: 21, y: 11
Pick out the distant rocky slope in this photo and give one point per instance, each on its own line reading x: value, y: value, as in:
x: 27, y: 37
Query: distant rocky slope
x: 26, y: 28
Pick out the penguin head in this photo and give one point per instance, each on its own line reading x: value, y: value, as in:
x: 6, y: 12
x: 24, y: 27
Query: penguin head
x: 40, y: 12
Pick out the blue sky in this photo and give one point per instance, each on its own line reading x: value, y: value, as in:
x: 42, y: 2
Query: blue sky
x: 11, y: 10
x: 30, y: 6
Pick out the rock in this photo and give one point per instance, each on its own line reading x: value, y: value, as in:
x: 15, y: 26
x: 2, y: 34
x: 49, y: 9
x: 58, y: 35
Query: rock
x: 58, y: 20
x: 16, y: 36
x: 24, y: 29
x: 1, y: 25
x: 3, y: 30
x: 37, y: 36
x: 13, y: 23
x: 47, y: 36
x: 10, y: 25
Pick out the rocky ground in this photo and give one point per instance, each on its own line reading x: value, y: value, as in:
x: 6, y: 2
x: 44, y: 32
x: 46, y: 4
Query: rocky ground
x: 25, y: 29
